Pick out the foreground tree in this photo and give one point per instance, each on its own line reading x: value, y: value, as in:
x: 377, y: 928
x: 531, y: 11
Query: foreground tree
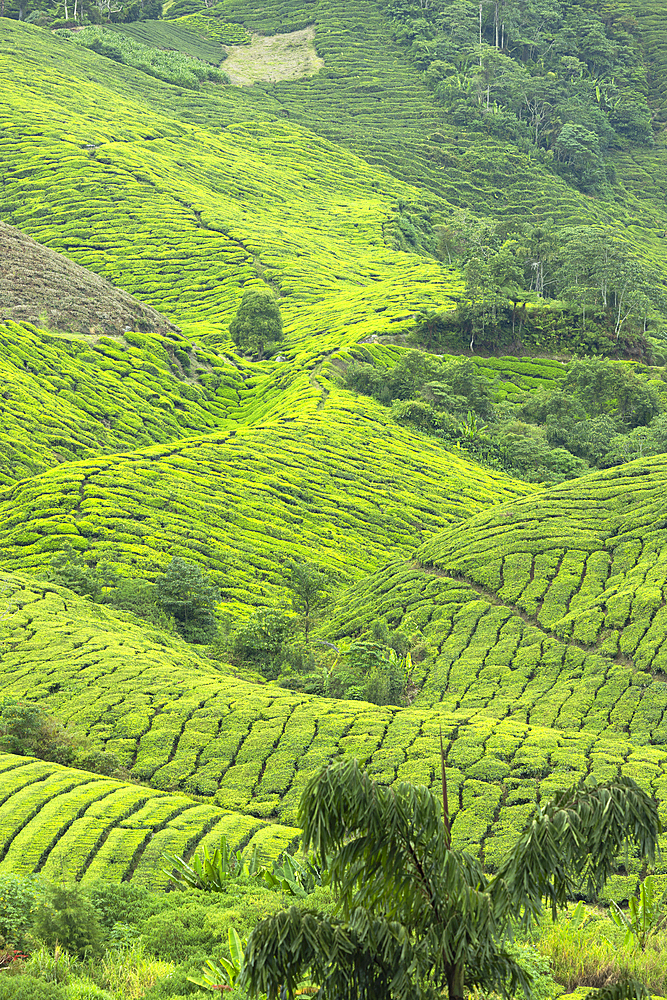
x: 417, y: 916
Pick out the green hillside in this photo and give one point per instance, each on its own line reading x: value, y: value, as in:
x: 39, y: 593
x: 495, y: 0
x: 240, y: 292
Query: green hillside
x: 58, y: 820
x: 181, y: 725
x: 387, y: 201
x: 338, y: 483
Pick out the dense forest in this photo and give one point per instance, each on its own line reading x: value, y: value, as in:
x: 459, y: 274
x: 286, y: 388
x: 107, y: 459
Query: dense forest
x: 333, y: 466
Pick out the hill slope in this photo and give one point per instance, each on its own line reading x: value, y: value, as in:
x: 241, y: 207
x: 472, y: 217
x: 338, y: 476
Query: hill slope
x: 540, y: 613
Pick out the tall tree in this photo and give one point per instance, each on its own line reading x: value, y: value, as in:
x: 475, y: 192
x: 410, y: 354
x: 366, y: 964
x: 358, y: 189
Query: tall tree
x: 418, y: 915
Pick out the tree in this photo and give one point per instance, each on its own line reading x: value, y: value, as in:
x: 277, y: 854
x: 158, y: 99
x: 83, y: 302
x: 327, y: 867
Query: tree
x: 257, y: 323
x: 419, y: 916
x: 186, y: 592
x: 309, y: 587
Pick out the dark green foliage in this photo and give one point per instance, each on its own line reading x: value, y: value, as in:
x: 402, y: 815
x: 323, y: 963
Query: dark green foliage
x: 26, y: 729
x: 418, y: 915
x: 258, y: 325
x: 560, y: 78
x: 17, y: 898
x: 122, y: 903
x: 259, y: 641
x: 586, y: 417
x: 186, y: 592
x: 66, y: 916
x: 172, y: 67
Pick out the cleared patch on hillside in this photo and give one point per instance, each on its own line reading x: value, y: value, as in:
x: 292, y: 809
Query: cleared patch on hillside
x: 38, y: 285
x: 291, y: 56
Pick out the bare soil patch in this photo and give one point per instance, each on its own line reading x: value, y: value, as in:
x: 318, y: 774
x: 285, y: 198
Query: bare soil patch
x: 40, y: 286
x: 271, y: 58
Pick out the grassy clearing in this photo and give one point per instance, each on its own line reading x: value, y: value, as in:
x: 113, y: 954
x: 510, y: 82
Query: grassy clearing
x: 289, y: 56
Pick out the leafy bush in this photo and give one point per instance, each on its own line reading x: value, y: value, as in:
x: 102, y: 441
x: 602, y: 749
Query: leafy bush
x: 260, y: 641
x: 257, y: 324
x: 185, y: 592
x: 179, y: 935
x: 26, y: 987
x: 122, y: 903
x: 66, y: 917
x: 17, y: 898
x: 26, y: 729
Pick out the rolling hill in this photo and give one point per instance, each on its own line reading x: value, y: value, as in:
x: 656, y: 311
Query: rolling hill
x: 133, y: 430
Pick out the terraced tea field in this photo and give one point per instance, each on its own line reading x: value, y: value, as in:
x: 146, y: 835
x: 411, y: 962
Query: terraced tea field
x: 59, y: 821
x: 185, y: 217
x: 338, y: 483
x: 179, y: 724
x: 537, y: 616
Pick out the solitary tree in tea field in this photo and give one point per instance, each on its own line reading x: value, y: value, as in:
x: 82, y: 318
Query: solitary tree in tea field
x: 258, y: 323
x: 417, y: 917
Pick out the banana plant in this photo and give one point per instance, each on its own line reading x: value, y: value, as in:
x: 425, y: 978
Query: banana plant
x: 222, y: 975
x: 211, y: 872
x: 293, y: 877
x: 645, y: 915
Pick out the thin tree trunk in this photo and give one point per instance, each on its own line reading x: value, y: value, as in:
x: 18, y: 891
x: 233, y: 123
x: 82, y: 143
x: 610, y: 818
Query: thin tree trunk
x: 455, y: 982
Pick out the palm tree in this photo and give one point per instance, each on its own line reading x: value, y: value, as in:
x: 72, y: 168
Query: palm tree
x: 418, y: 917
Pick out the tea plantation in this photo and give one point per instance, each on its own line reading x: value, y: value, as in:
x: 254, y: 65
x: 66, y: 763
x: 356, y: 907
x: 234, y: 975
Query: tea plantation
x: 140, y: 435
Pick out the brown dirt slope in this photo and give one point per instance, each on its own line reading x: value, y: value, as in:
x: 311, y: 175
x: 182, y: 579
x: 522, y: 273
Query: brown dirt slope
x: 40, y: 286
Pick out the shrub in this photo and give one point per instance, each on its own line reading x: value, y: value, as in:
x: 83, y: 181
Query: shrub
x: 124, y: 903
x: 179, y: 935
x: 26, y: 987
x: 17, y: 898
x: 66, y: 917
x: 259, y: 641
x: 69, y: 569
x: 85, y: 989
x: 185, y: 592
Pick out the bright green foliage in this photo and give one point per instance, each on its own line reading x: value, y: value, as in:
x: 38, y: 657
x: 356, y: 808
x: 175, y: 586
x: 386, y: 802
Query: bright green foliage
x: 418, y: 915
x: 257, y: 325
x: 292, y: 876
x: 63, y: 821
x: 226, y: 970
x: 533, y: 627
x: 67, y: 399
x: 645, y: 916
x: 324, y: 493
x: 207, y: 24
x: 210, y: 872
